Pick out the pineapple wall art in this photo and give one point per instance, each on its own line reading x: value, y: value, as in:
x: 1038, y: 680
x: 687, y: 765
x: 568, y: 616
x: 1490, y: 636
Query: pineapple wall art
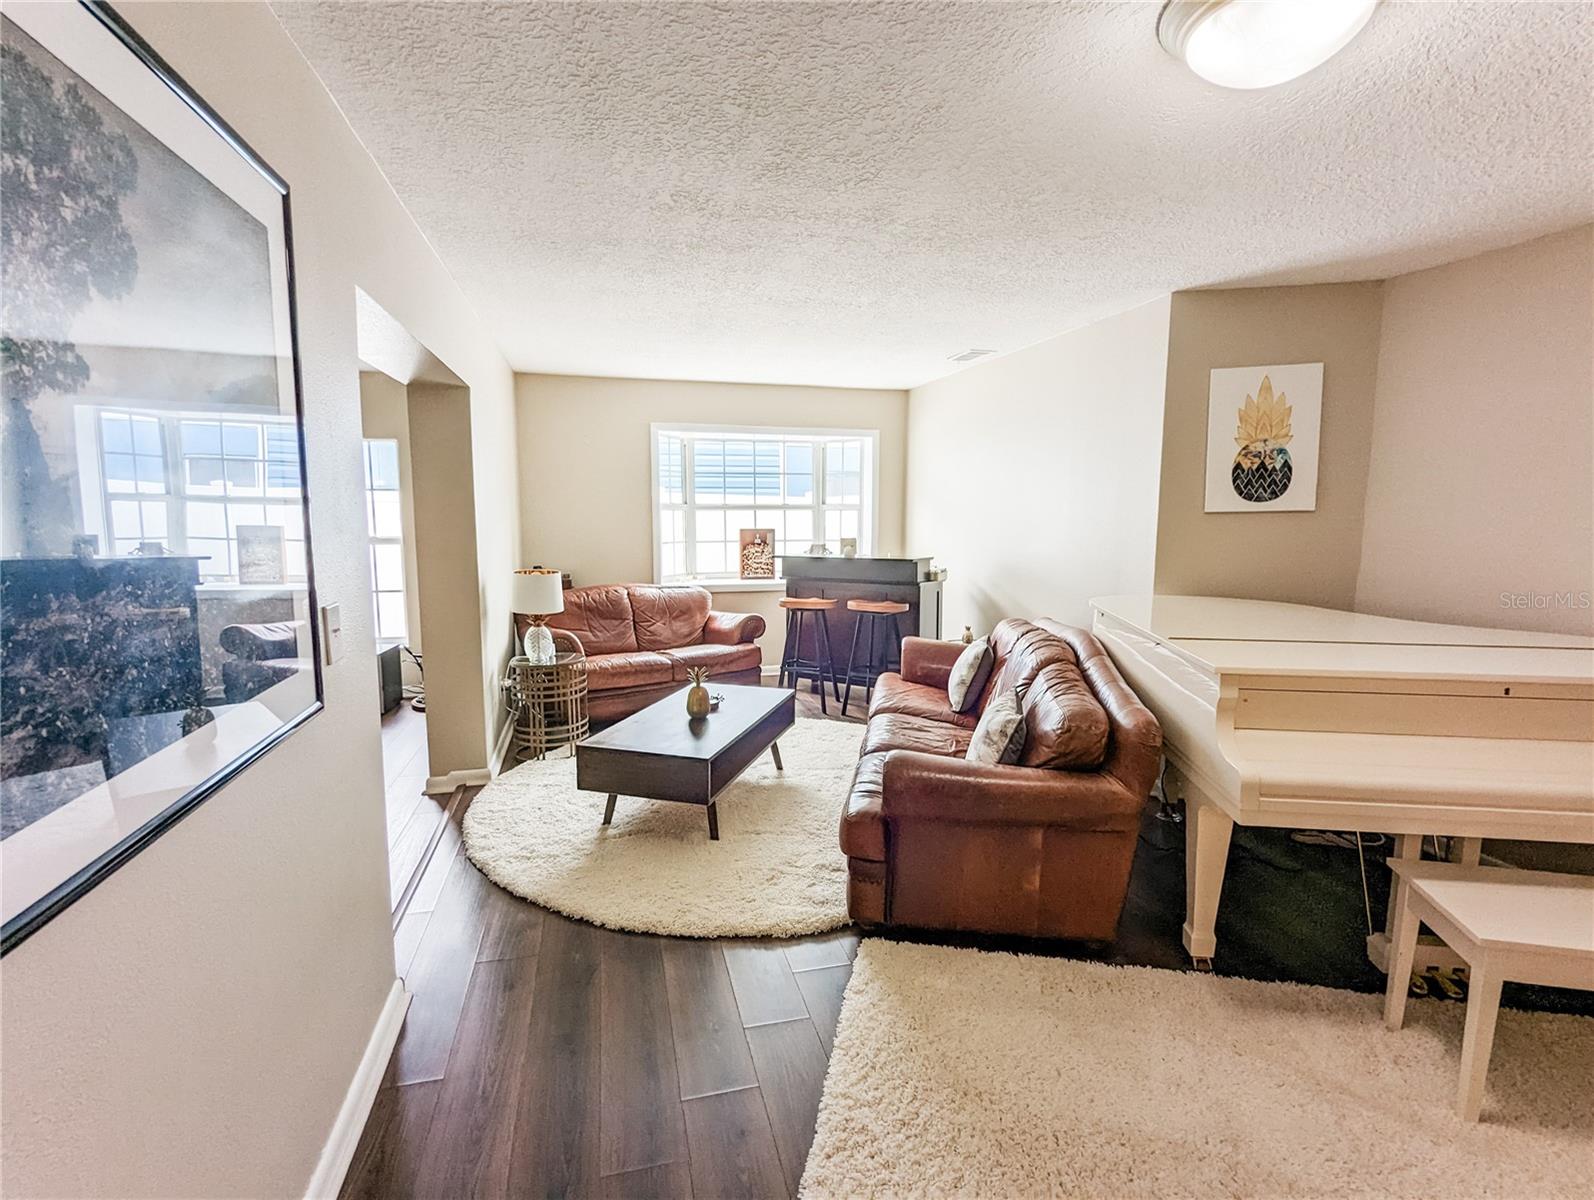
x: 1262, y: 438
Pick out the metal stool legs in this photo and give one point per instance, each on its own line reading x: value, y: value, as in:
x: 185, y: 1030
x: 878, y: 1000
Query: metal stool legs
x: 788, y: 653
x: 793, y: 667
x: 872, y: 669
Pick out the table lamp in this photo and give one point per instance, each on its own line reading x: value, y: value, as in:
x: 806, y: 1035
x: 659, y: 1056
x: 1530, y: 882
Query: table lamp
x: 538, y: 594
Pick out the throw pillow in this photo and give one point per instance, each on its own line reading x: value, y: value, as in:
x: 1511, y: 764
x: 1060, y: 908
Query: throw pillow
x: 969, y: 673
x: 999, y: 736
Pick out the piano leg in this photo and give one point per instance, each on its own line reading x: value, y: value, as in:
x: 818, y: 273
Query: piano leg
x: 1206, y: 855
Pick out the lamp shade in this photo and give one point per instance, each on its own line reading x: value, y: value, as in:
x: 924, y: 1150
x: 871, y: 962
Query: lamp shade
x: 538, y: 593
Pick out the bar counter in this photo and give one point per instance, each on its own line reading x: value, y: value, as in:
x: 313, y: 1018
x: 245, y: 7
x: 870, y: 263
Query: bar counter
x: 832, y: 577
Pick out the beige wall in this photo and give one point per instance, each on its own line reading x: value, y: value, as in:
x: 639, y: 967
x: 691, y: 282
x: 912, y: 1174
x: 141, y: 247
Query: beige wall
x: 385, y: 413
x: 586, y: 467
x: 1033, y: 478
x: 1482, y: 479
x: 1298, y: 557
x: 191, y: 1026
x: 449, y: 584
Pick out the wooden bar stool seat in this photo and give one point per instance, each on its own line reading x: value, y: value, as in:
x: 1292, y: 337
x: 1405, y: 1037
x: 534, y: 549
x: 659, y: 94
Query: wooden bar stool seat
x: 864, y: 674
x: 820, y: 668
x: 883, y: 608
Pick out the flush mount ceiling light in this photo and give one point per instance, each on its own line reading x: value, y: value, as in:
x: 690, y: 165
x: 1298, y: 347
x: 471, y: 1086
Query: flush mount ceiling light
x: 1258, y: 43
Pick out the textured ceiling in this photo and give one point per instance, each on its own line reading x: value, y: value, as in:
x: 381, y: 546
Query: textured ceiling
x: 849, y: 193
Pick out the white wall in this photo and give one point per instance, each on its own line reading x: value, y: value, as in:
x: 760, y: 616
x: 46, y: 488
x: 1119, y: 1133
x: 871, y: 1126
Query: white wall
x: 586, y: 467
x: 1033, y: 478
x: 1482, y: 474
x: 190, y: 1027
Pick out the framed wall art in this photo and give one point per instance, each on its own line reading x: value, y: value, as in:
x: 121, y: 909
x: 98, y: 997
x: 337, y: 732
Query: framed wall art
x: 1263, y: 425
x: 757, y: 553
x: 153, y: 443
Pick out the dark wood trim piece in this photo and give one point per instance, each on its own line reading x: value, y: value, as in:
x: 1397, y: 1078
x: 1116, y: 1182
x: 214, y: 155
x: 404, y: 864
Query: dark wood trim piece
x: 822, y: 991
x: 640, y: 1123
x: 667, y: 1181
x: 444, y: 818
x: 387, y: 1162
x: 710, y: 1047
x: 733, y: 1147
x: 791, y: 1075
x: 471, y: 1141
x: 762, y: 980
x: 557, y: 1114
x: 440, y: 978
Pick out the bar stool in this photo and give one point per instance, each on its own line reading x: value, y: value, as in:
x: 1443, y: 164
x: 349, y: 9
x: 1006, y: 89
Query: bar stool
x: 865, y: 676
x: 792, y: 665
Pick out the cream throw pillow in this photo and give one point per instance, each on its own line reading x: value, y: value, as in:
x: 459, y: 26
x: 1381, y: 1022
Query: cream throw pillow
x: 969, y: 673
x: 999, y: 737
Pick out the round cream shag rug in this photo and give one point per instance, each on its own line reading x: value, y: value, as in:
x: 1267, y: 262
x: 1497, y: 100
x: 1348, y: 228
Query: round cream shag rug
x: 776, y: 870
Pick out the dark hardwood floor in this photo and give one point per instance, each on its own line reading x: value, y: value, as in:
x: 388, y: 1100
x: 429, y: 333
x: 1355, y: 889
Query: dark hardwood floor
x: 549, y: 1057
x: 416, y: 823
x: 545, y: 1056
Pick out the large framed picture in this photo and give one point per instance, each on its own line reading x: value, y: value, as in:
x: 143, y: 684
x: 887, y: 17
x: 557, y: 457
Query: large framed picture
x: 156, y: 582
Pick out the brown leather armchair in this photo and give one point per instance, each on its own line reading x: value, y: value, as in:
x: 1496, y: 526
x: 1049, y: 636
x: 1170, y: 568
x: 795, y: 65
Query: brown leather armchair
x: 640, y: 640
x: 935, y: 841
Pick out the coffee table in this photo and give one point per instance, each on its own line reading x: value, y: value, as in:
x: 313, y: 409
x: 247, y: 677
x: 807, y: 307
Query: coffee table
x: 661, y: 754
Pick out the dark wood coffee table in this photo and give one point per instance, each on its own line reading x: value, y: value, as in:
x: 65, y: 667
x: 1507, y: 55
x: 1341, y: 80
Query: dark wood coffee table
x: 660, y: 754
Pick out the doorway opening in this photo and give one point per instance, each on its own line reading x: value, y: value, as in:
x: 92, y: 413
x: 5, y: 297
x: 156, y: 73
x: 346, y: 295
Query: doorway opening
x: 425, y: 612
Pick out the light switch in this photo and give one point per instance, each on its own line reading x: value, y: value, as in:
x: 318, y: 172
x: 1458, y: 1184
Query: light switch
x: 331, y: 633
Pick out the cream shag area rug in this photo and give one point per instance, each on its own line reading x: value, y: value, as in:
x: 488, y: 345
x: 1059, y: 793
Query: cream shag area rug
x: 963, y: 1073
x: 777, y: 869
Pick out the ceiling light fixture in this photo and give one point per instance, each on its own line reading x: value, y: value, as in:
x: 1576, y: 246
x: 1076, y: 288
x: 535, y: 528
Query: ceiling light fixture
x: 1258, y: 43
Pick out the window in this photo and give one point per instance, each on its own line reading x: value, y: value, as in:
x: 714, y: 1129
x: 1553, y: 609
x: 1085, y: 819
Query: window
x: 385, y: 527
x: 133, y: 466
x: 240, y: 473
x: 188, y: 481
x: 807, y: 486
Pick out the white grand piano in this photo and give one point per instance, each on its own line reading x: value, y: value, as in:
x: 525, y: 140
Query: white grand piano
x: 1310, y: 718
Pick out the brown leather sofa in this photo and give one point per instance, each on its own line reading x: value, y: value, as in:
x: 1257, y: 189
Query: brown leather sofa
x: 934, y: 841
x: 640, y: 640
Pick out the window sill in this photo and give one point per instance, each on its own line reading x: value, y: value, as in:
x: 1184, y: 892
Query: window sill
x: 731, y: 585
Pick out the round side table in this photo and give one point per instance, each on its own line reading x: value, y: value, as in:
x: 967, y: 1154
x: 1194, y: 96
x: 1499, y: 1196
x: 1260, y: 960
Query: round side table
x: 549, y: 703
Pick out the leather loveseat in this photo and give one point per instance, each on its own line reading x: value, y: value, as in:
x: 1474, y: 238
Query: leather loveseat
x: 640, y: 641
x: 934, y: 841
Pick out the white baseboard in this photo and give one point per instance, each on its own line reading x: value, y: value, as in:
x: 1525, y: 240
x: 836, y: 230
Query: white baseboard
x: 501, y: 750
x: 344, y: 1139
x: 441, y: 785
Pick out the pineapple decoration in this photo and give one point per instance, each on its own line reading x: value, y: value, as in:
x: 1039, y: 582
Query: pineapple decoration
x: 1262, y: 468
x: 697, y: 698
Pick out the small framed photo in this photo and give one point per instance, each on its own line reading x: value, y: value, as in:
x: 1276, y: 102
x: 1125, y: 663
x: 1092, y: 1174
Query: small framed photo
x: 757, y: 554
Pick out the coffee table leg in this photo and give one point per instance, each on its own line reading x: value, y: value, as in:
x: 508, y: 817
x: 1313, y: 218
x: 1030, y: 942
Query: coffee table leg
x: 713, y: 823
x: 608, y: 809
x: 774, y: 749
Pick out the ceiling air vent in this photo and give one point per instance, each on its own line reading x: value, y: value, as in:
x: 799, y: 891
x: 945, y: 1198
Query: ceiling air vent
x: 970, y: 355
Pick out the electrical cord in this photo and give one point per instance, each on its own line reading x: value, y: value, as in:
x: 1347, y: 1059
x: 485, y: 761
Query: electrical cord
x: 417, y: 694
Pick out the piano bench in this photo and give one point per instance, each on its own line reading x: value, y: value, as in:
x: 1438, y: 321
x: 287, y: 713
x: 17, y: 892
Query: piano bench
x: 1530, y: 926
